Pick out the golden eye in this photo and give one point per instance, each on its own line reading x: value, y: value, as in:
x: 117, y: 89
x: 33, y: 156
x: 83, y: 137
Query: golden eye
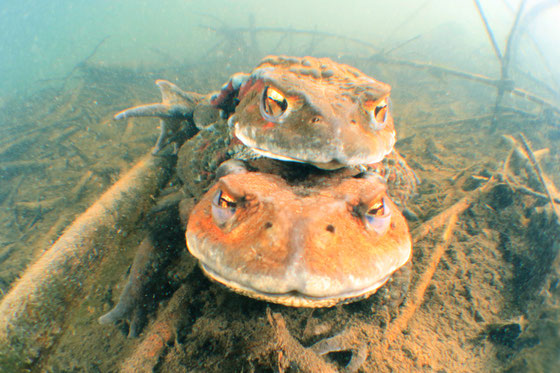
x: 223, y: 207
x: 225, y: 201
x: 378, y: 113
x: 274, y: 104
x: 378, y: 216
x: 376, y: 209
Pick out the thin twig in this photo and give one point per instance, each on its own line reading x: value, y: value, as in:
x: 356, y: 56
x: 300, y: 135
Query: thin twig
x: 417, y: 294
x: 8, y: 169
x: 83, y: 62
x: 284, y: 30
x: 540, y: 83
x: 398, y: 46
x: 8, y: 250
x: 505, y: 84
x: 434, y: 69
x: 539, y: 171
x: 489, y: 31
x: 526, y: 190
x: 40, y: 206
x: 511, y: 41
x: 413, y: 14
x: 506, y: 167
x: 78, y: 65
x: 465, y: 75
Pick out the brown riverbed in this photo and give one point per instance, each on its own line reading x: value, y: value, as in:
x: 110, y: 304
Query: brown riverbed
x: 491, y: 304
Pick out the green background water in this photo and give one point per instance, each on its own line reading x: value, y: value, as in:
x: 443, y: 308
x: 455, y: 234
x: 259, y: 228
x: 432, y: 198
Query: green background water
x: 66, y: 67
x: 44, y: 40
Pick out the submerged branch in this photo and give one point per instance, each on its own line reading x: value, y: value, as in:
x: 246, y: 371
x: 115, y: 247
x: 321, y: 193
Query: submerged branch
x: 500, y: 84
x: 8, y: 169
x: 511, y: 41
x: 285, y: 30
x: 489, y: 31
x: 398, y: 46
x: 33, y: 313
x: 540, y: 173
x: 506, y: 85
x: 503, y: 84
x: 417, y: 294
x: 79, y: 65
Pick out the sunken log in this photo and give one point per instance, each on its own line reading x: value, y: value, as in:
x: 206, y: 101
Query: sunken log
x: 33, y: 312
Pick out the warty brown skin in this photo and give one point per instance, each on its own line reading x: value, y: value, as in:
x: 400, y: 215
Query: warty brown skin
x: 300, y: 246
x: 328, y: 118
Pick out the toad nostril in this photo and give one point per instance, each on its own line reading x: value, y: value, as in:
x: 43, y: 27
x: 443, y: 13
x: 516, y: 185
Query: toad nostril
x: 330, y: 228
x: 267, y: 225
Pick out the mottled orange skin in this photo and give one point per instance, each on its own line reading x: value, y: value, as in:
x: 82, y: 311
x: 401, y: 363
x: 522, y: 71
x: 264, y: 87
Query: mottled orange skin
x: 327, y: 123
x: 299, y: 245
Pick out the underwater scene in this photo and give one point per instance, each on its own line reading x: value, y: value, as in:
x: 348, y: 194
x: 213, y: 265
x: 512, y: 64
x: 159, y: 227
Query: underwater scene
x: 288, y: 186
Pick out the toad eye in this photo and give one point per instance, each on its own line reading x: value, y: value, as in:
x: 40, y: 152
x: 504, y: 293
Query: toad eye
x: 223, y: 207
x: 378, y: 216
x: 273, y: 104
x: 378, y: 114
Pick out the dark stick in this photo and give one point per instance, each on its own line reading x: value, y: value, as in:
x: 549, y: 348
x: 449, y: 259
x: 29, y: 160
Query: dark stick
x: 469, y: 76
x: 78, y: 65
x: 435, y: 69
x: 406, y: 21
x: 540, y: 173
x: 506, y: 85
x: 489, y: 31
x: 230, y: 31
x: 280, y: 41
x: 541, y: 83
x: 510, y: 41
x: 499, y: 84
x: 94, y: 51
x: 401, y: 44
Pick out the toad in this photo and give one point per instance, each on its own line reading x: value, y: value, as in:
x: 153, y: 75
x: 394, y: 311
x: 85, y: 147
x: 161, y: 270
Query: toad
x: 309, y: 110
x: 315, y: 242
x: 303, y: 110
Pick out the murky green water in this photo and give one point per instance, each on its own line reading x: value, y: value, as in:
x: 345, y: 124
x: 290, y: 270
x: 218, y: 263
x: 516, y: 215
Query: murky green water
x: 459, y: 106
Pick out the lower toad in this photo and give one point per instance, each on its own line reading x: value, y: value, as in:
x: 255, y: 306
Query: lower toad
x: 314, y: 242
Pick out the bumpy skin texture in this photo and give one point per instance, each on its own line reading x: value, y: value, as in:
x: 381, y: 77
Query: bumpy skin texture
x: 305, y: 244
x: 327, y: 115
x: 198, y: 161
x: 177, y: 112
x: 328, y: 123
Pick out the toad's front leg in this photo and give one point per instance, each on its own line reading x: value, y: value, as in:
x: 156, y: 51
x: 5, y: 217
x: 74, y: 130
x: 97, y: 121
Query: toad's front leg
x: 132, y: 302
x: 345, y: 341
x: 182, y: 114
x: 154, y: 254
x: 351, y: 339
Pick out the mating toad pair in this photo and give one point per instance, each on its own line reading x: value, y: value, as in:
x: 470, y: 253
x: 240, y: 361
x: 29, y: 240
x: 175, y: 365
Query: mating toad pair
x: 296, y: 214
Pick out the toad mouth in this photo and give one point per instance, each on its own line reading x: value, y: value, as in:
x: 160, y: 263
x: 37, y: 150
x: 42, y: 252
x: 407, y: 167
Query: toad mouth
x: 295, y: 298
